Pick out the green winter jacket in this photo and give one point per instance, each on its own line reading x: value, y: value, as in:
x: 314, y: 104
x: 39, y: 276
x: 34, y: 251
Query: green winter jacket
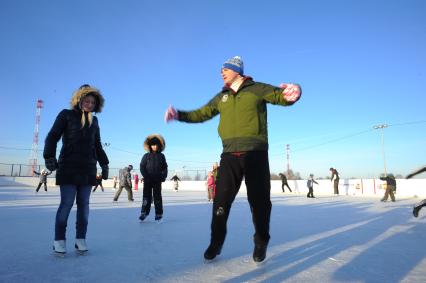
x: 243, y: 115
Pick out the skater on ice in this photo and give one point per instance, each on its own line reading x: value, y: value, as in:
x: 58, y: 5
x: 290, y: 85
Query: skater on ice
x: 310, y: 185
x: 98, y: 183
x: 284, y: 182
x: 153, y: 168
x: 42, y: 179
x: 390, y: 187
x: 335, y: 180
x: 175, y: 180
x: 210, y: 184
x: 421, y: 204
x: 76, y: 166
x: 124, y: 181
x: 242, y: 105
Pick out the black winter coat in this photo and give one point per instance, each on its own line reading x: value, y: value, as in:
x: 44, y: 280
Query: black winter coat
x: 81, y: 149
x: 153, y: 167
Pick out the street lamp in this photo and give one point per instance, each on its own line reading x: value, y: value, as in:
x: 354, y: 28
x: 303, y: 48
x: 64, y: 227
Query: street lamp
x: 382, y: 126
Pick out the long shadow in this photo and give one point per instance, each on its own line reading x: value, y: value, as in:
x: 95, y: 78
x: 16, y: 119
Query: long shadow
x: 360, y: 229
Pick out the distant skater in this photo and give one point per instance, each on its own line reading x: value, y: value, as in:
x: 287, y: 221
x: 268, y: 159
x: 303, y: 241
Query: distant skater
x: 43, y: 179
x: 284, y: 182
x: 98, y: 182
x: 210, y: 184
x: 310, y: 185
x: 125, y: 181
x: 335, y: 180
x: 390, y: 187
x: 422, y: 203
x: 175, y: 180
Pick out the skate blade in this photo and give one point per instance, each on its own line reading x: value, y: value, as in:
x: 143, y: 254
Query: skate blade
x: 59, y: 255
x: 208, y: 261
x: 82, y: 253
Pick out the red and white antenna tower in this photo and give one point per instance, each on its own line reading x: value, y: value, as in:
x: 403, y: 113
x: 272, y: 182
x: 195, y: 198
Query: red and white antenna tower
x: 34, y: 147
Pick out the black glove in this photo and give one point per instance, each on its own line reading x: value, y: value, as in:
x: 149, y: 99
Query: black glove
x: 105, y: 171
x: 51, y: 163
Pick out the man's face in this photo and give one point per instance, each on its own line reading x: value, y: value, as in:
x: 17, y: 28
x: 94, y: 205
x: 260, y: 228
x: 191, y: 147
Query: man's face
x: 229, y: 76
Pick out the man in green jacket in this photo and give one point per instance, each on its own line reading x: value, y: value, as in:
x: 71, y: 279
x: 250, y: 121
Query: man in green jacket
x: 243, y: 130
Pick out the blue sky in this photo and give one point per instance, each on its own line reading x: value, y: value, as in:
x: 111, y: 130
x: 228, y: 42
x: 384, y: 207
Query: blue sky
x: 360, y: 63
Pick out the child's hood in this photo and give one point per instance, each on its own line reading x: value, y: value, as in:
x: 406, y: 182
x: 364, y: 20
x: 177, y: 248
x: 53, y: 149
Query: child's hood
x: 154, y: 139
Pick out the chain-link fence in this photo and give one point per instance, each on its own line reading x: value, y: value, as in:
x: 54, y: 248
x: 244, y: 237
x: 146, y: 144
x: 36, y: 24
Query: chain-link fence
x: 25, y: 170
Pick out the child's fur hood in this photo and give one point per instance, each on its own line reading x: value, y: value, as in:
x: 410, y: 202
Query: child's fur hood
x: 149, y: 139
x: 83, y: 91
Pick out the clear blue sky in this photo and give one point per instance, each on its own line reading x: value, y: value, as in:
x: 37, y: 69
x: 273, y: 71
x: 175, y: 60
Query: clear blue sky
x: 360, y: 63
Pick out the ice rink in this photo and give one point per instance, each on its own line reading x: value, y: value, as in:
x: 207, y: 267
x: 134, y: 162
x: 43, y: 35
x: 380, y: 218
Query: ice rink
x: 327, y: 239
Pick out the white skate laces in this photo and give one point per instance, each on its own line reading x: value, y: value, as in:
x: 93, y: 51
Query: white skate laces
x: 59, y: 247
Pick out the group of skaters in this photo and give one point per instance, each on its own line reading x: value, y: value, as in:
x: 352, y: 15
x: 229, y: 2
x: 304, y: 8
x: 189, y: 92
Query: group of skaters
x: 240, y: 101
x: 311, y: 181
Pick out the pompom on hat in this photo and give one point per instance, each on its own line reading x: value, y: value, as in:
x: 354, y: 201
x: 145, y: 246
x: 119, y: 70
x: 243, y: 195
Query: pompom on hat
x: 235, y: 64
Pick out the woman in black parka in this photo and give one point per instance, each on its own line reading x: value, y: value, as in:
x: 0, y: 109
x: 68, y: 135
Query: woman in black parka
x: 76, y: 167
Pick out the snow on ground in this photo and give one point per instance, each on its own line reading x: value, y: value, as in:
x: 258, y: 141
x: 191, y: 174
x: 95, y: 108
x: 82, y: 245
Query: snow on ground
x: 327, y: 239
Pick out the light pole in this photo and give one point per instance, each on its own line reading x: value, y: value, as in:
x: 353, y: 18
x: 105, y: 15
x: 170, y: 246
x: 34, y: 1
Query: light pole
x: 382, y: 126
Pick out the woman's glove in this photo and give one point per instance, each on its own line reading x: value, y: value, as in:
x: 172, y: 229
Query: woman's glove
x: 51, y: 163
x: 105, y: 171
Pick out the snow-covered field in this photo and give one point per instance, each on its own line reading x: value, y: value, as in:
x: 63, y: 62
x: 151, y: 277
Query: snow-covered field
x: 327, y: 239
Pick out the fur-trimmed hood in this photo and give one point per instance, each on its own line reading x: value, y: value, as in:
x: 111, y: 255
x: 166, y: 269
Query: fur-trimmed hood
x: 154, y: 138
x: 83, y: 91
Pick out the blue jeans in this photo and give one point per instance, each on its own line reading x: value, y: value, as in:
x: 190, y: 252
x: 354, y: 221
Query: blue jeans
x: 69, y: 193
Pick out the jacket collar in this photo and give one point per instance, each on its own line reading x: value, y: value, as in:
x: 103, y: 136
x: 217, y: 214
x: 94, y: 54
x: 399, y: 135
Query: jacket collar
x: 247, y: 81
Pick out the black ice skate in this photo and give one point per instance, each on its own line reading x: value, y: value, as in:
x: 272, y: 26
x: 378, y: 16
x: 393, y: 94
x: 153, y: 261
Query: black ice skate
x: 158, y: 217
x: 259, y: 252
x: 142, y: 217
x: 212, y: 251
x: 416, y: 210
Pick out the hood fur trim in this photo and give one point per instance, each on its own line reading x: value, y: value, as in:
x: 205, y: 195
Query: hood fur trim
x: 148, y: 139
x: 80, y: 93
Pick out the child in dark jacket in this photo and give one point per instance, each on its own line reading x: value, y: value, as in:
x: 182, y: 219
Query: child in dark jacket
x: 153, y: 168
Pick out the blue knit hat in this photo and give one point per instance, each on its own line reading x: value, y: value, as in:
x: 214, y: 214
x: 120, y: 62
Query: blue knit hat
x: 235, y: 64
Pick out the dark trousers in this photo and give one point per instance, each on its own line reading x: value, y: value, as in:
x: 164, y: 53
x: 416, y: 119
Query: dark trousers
x: 311, y: 192
x: 102, y: 187
x: 152, y: 189
x: 285, y: 184
x: 120, y: 189
x: 254, y: 166
x: 336, y: 186
x: 39, y: 185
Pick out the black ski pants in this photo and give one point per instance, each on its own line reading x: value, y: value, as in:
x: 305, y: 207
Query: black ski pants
x: 39, y: 185
x: 150, y: 189
x: 254, y: 167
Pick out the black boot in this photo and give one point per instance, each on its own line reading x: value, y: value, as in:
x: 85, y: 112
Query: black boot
x: 416, y: 210
x: 259, y: 252
x: 212, y: 251
x: 142, y: 217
